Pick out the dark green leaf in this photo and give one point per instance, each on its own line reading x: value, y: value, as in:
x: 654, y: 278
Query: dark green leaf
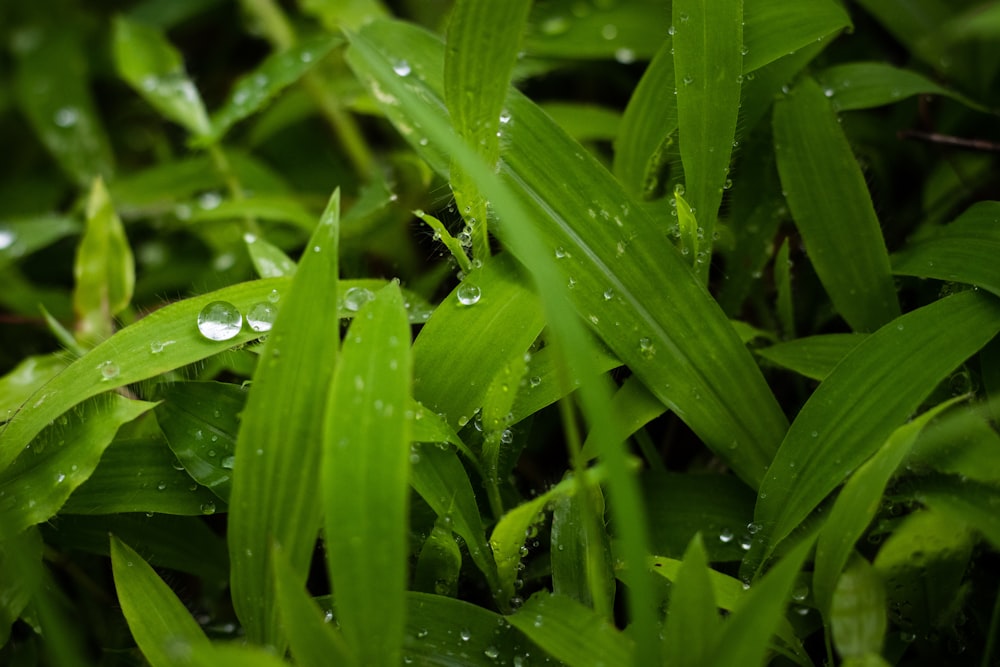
x: 871, y: 84
x: 975, y: 503
x: 20, y: 576
x: 813, y: 356
x: 693, y: 622
x: 22, y: 237
x: 580, y: 552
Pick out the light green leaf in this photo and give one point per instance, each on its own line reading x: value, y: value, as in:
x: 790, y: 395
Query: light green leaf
x: 693, y: 622
x: 23, y: 236
x: 572, y: 633
x: 20, y: 575
x: 857, y: 504
x: 964, y: 251
x: 26, y: 378
x: 234, y: 655
x: 268, y: 259
x: 584, y: 122
x: 545, y: 383
x: 858, y: 615
x: 104, y: 269
x: 335, y: 14
x: 580, y: 551
x: 864, y: 85
x: 312, y: 640
x: 52, y: 86
x: 708, y: 67
x: 964, y: 501
x: 276, y: 476
x: 255, y: 90
x: 963, y: 443
x: 155, y: 70
x: 813, y: 356
x: 366, y: 467
x: 279, y: 208
x: 482, y: 44
x: 507, y: 318
x: 161, y: 625
x: 59, y: 460
x: 833, y: 211
x: 856, y: 408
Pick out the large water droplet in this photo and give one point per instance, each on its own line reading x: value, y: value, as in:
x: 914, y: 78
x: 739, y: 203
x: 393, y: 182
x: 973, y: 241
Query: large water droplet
x: 109, y: 370
x: 625, y: 56
x: 469, y: 294
x: 356, y: 297
x: 219, y: 320
x: 7, y: 238
x: 67, y: 117
x: 401, y: 68
x: 726, y: 536
x: 465, y: 634
x: 208, y: 507
x: 261, y: 316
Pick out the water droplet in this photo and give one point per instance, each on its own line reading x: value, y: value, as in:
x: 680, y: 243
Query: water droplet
x: 401, y: 68
x: 219, y: 320
x: 208, y: 507
x: 753, y: 528
x: 7, y: 238
x: 465, y: 634
x: 67, y: 117
x: 469, y: 294
x: 746, y: 543
x: 671, y: 30
x: 60, y: 478
x: 161, y: 485
x: 555, y: 25
x: 679, y: 189
x: 646, y: 348
x: 726, y: 536
x: 561, y: 253
x: 356, y: 297
x: 684, y: 17
x: 492, y: 652
x: 688, y: 79
x: 800, y: 593
x: 609, y: 31
x: 109, y: 370
x: 608, y: 294
x: 828, y: 92
x: 507, y: 436
x: 274, y: 296
x: 228, y: 462
x: 504, y: 117
x: 261, y: 316
x: 625, y: 56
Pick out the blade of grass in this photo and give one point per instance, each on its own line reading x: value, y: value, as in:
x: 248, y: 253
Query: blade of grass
x: 864, y: 85
x: 161, y: 625
x: 580, y: 551
x: 276, y: 476
x: 20, y: 576
x: 366, y: 468
x: 858, y: 611
x: 965, y: 501
x: 693, y: 623
x: 813, y: 356
x: 832, y: 209
x: 775, y: 28
x: 874, y: 389
x: 708, y: 68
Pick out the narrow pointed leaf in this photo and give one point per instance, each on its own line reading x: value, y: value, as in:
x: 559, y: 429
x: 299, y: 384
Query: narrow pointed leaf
x: 858, y: 617
x: 813, y: 356
x: 268, y: 259
x: 693, y: 621
x: 155, y: 69
x: 61, y: 458
x: 708, y: 68
x: 365, y: 479
x: 276, y: 477
x: 580, y: 550
x: 856, y: 408
x: 833, y: 211
x: 25, y: 379
x: 968, y: 501
x: 775, y: 28
x: 161, y: 625
x: 20, y: 576
x: 864, y: 85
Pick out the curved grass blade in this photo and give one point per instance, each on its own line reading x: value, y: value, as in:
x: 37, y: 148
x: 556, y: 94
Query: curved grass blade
x: 572, y: 633
x: 233, y: 655
x: 279, y: 208
x: 20, y: 576
x: 693, y: 622
x: 864, y: 85
x: 269, y: 260
x: 482, y: 45
x: 311, y: 639
x: 507, y: 318
x: 708, y: 68
x: 856, y: 506
x: 636, y: 407
x: 141, y: 475
x: 439, y: 564
x: 580, y: 551
x: 155, y: 69
x: 162, y: 341
x: 52, y: 88
x: 21, y: 237
x: 873, y: 390
x: 916, y: 24
x: 813, y: 356
x: 964, y: 251
x: 366, y: 468
x: 26, y: 378
x: 545, y: 384
x: 64, y: 455
x: 858, y: 615
x: 276, y: 476
x: 585, y: 122
x: 104, y: 270
x: 832, y: 208
x: 775, y: 28
x: 963, y: 501
x: 161, y: 625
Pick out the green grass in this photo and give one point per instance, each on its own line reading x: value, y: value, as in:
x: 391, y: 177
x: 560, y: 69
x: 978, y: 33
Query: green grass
x: 605, y: 332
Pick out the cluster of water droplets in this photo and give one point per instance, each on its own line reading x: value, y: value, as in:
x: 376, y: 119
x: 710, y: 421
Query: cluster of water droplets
x: 221, y: 320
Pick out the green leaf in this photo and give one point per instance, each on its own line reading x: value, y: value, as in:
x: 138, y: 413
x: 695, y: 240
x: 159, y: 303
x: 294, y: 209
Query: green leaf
x: 963, y: 251
x: 104, y: 269
x: 760, y: 614
x: 483, y: 42
x: 635, y: 406
x: 783, y: 282
x: 572, y: 633
x: 155, y: 70
x: 52, y: 87
x: 20, y: 576
x: 580, y: 551
x: 201, y: 552
x: 22, y: 237
x: 440, y: 562
x: 311, y: 639
x: 280, y: 208
x: 255, y: 90
x: 708, y: 68
x: 141, y: 475
x: 507, y: 318
x: 276, y: 476
x: 916, y: 24
x: 856, y: 408
x: 366, y: 468
x: 335, y: 14
x: 858, y: 615
x: 864, y: 85
x: 680, y: 334
x: 693, y: 621
x: 26, y: 378
x: 833, y: 211
x: 161, y: 625
x: 162, y: 341
x: 963, y: 443
x: 963, y: 500
x: 775, y: 28
x: 60, y: 459
x: 857, y: 504
x: 201, y: 422
x: 813, y: 356
x: 268, y: 259
x: 584, y: 122
x: 234, y: 655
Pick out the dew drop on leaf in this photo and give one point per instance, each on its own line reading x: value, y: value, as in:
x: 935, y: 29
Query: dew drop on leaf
x: 261, y: 316
x: 109, y: 370
x: 7, y: 238
x: 208, y: 508
x: 469, y: 294
x: 219, y: 320
x: 356, y: 297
